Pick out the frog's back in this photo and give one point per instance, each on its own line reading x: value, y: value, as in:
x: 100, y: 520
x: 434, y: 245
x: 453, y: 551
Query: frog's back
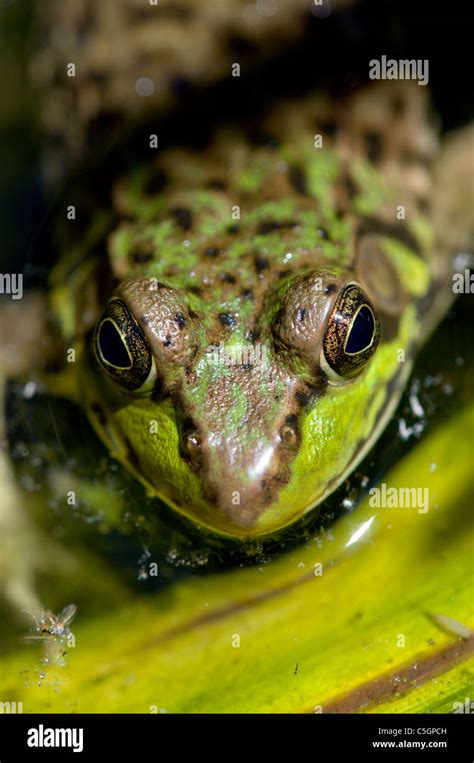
x: 322, y: 181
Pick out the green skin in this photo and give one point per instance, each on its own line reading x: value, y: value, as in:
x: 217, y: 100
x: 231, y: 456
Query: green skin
x: 246, y: 449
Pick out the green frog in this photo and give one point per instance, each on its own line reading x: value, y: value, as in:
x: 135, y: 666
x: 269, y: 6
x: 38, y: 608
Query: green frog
x: 245, y: 326
x: 238, y: 322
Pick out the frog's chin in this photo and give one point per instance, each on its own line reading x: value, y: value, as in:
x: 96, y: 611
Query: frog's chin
x: 231, y: 513
x: 239, y: 524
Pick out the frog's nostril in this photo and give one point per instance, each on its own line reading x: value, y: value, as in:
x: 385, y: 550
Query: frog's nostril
x: 289, y: 432
x: 191, y: 445
x: 193, y: 442
x: 288, y: 435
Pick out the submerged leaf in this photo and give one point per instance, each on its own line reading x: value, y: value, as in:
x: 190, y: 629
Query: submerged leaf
x: 335, y: 627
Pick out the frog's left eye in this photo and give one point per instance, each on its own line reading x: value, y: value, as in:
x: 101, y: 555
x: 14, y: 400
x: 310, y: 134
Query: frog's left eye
x: 352, y: 333
x: 122, y: 349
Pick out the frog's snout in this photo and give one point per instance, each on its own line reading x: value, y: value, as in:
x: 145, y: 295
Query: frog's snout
x: 241, y: 483
x: 241, y: 444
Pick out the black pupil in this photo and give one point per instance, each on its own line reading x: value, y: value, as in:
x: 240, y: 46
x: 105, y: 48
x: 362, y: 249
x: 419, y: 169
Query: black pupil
x: 362, y: 331
x: 111, y: 346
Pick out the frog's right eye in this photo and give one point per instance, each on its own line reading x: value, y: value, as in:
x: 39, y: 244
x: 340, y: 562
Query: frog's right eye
x: 122, y: 349
x: 352, y: 334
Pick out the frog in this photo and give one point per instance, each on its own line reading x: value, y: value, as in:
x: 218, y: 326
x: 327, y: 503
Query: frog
x: 242, y: 318
x: 250, y: 323
x: 238, y: 322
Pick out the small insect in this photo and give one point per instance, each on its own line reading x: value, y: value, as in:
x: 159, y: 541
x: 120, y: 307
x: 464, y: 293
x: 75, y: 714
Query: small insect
x: 51, y: 627
x: 450, y: 625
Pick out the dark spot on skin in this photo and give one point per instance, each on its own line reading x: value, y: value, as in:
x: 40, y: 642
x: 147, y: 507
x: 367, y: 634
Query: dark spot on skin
x: 141, y: 258
x: 328, y: 128
x: 97, y: 77
x: 272, y: 225
x: 303, y: 398
x: 267, y: 227
x: 253, y: 336
x: 373, y: 141
x: 261, y: 263
x: 167, y: 342
x: 228, y: 277
x: 408, y: 157
x: 180, y: 320
x: 234, y: 228
x: 300, y: 315
x: 398, y: 105
x: 216, y: 185
x: 330, y: 288
x: 183, y: 217
x: 194, y: 351
x: 211, y: 251
x: 155, y: 183
x: 298, y: 180
x: 247, y: 294
x: 227, y: 319
x: 247, y: 366
x: 349, y: 185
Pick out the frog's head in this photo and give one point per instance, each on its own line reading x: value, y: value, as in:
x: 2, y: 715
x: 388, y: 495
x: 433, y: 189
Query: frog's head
x: 242, y: 422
